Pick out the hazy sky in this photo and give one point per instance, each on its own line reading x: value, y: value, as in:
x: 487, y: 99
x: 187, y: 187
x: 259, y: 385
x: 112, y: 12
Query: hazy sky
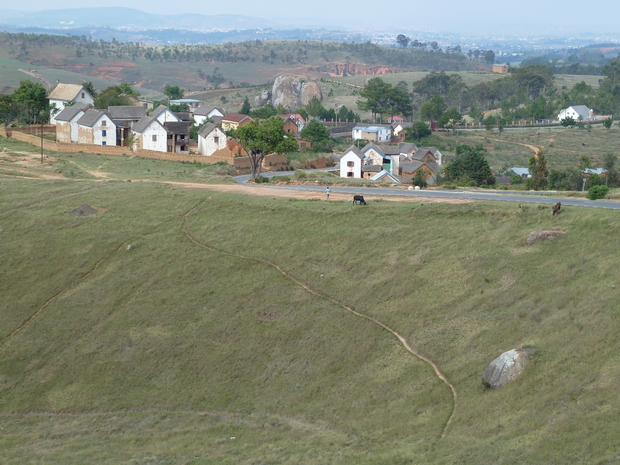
x: 485, y: 16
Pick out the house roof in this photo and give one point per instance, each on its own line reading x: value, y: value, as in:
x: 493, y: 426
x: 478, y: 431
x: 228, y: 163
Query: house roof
x: 384, y: 173
x: 90, y: 117
x: 183, y: 115
x: 204, y: 110
x: 520, y: 171
x: 144, y: 122
x: 177, y: 127
x: 65, y: 92
x: 581, y: 109
x: 375, y: 147
x: 294, y: 116
x: 421, y: 153
x: 410, y: 167
x: 207, y: 129
x: 182, y: 101
x: 354, y: 150
x: 159, y: 110
x: 234, y: 118
x: 130, y: 112
x: 407, y: 147
x: 68, y: 113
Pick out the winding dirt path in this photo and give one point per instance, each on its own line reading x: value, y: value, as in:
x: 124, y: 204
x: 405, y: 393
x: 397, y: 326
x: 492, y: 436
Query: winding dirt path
x: 400, y: 337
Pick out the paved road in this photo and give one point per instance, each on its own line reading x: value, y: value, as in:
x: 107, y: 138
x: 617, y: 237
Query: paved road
x: 500, y: 196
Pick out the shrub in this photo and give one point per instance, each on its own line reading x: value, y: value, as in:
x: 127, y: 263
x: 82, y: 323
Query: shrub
x: 262, y: 179
x: 300, y: 175
x: 597, y: 192
x: 516, y: 179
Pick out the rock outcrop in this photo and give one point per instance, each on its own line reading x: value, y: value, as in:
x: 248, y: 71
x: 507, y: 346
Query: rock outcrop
x: 294, y: 91
x: 543, y: 235
x: 504, y: 368
x: 84, y: 210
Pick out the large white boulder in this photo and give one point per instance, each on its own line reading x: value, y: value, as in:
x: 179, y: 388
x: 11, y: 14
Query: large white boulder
x: 504, y: 368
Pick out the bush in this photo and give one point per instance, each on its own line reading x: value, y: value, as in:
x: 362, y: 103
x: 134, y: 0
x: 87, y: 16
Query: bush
x: 516, y: 179
x: 301, y: 175
x: 597, y: 192
x: 262, y: 179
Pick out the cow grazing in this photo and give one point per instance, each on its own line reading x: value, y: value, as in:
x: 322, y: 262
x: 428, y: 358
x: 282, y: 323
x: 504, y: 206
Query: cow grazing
x: 556, y: 208
x: 358, y: 200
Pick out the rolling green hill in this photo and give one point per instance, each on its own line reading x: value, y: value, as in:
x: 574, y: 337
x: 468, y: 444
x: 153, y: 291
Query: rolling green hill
x: 182, y: 325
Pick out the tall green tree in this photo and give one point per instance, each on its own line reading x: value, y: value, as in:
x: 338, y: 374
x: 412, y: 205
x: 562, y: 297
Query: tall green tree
x: 112, y: 96
x: 374, y: 96
x: 90, y: 87
x: 9, y: 110
x: 609, y: 164
x: 470, y: 164
x: 539, y: 172
x: 315, y: 132
x: 33, y: 99
x: 174, y: 92
x: 433, y: 109
x: 260, y: 138
x: 245, y: 108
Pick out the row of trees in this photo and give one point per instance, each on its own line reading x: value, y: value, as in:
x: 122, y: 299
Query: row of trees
x: 528, y: 93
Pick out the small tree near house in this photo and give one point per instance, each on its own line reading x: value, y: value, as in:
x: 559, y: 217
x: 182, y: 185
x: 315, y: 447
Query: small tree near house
x: 260, y: 138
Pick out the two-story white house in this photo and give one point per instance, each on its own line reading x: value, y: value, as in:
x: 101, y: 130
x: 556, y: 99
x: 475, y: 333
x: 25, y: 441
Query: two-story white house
x: 64, y: 95
x: 351, y: 163
x: 150, y: 134
x: 96, y: 127
x: 375, y: 133
x: 210, y: 139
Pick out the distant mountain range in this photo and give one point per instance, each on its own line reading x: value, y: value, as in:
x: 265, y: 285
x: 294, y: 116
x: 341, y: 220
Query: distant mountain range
x: 128, y: 18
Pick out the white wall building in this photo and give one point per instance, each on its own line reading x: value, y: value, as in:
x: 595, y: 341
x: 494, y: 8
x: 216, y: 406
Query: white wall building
x: 210, y: 139
x: 351, y: 163
x: 64, y: 94
x: 96, y: 127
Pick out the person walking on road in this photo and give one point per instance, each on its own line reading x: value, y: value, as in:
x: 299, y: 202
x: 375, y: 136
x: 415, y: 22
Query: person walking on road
x: 327, y: 192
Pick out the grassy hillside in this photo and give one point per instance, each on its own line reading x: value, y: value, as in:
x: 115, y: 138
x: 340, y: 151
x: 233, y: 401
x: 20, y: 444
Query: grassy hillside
x: 513, y: 147
x: 159, y: 331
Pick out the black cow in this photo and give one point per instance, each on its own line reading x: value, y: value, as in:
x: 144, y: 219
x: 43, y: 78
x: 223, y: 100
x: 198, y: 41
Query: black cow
x: 358, y: 200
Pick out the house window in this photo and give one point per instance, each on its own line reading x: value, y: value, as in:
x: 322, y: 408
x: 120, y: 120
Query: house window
x: 83, y: 95
x: 350, y: 174
x: 104, y: 123
x: 104, y: 133
x: 104, y: 143
x: 154, y: 137
x: 216, y: 139
x: 350, y: 164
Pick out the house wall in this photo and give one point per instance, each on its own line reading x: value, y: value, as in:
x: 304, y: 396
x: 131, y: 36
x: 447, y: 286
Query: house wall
x: 104, y: 124
x: 167, y: 116
x: 290, y: 127
x: 146, y: 142
x: 356, y: 169
x: 82, y: 97
x: 63, y: 131
x: 208, y: 145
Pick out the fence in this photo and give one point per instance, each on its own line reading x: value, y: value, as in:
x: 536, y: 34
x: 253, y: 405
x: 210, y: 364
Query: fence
x: 275, y: 160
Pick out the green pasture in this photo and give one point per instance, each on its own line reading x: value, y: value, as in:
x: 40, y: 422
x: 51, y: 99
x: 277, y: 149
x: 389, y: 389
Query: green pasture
x: 159, y: 331
x: 562, y: 146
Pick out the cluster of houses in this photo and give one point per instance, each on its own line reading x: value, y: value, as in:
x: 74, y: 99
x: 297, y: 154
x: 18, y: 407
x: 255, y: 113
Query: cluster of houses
x: 161, y: 130
x: 393, y: 163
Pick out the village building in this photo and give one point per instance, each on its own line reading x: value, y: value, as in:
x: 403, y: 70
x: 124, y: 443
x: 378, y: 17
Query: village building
x: 65, y: 95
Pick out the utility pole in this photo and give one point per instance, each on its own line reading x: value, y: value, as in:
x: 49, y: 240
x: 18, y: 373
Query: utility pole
x: 41, y: 141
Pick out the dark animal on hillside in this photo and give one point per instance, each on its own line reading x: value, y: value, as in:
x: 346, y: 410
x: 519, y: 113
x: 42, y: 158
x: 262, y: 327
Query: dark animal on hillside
x: 556, y: 208
x: 358, y: 200
x: 583, y: 143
